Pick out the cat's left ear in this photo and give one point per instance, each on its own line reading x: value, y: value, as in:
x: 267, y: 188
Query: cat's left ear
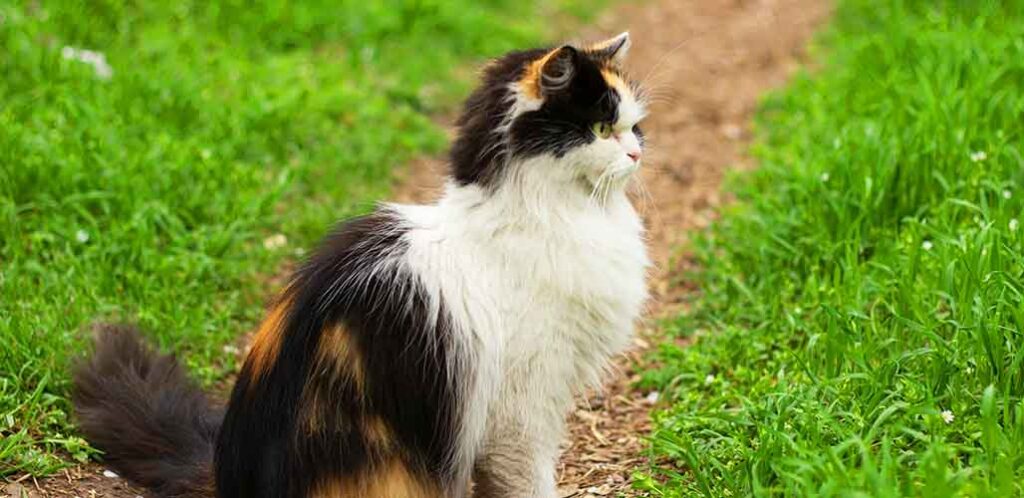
x: 557, y: 70
x: 613, y: 49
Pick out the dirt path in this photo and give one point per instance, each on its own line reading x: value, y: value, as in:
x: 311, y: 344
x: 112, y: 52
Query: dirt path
x: 707, y: 62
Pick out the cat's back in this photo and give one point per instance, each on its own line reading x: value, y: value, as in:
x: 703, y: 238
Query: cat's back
x: 322, y: 404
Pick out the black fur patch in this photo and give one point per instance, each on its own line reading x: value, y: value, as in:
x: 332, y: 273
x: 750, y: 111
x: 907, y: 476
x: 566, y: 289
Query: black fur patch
x: 564, y: 120
x: 478, y: 151
x: 263, y: 449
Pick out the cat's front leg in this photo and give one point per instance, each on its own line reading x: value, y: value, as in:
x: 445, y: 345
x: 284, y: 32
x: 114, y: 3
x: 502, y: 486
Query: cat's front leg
x: 514, y: 464
x: 525, y: 429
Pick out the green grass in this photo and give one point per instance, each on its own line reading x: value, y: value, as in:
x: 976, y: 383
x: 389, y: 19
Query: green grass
x: 869, y: 278
x: 148, y: 197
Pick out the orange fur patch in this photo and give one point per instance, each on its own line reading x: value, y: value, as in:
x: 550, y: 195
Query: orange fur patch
x: 529, y: 84
x: 376, y: 433
x: 339, y: 360
x: 337, y: 355
x: 267, y: 343
x: 615, y: 81
x: 392, y: 479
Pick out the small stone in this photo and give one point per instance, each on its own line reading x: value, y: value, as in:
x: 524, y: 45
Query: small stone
x: 276, y: 241
x: 651, y: 398
x: 595, y: 402
x: 732, y: 132
x: 110, y: 474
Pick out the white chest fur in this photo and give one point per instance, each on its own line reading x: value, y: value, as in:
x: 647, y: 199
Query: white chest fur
x: 525, y: 279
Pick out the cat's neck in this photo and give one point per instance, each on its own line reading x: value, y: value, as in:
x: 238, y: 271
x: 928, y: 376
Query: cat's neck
x: 534, y: 197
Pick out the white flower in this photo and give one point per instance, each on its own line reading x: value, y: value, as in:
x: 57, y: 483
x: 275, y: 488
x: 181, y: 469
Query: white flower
x: 710, y: 379
x: 651, y: 397
x: 231, y: 350
x: 97, y: 60
x: 1014, y: 225
x: 926, y: 245
x: 82, y: 236
x: 978, y: 156
x: 1007, y: 194
x: 276, y: 241
x: 825, y: 177
x: 947, y: 416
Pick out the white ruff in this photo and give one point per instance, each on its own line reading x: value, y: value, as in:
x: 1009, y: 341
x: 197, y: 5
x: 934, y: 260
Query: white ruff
x: 543, y: 282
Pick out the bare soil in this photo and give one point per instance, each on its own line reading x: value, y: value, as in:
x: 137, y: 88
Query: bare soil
x: 707, y: 62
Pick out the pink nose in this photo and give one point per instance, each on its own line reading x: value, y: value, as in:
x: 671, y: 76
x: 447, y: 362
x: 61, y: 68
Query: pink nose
x: 635, y: 156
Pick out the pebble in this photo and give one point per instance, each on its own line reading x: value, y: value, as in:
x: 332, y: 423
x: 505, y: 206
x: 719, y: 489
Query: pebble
x: 732, y: 132
x: 276, y: 241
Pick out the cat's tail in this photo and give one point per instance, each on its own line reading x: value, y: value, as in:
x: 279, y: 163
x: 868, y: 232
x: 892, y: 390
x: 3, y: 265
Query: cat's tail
x: 154, y: 426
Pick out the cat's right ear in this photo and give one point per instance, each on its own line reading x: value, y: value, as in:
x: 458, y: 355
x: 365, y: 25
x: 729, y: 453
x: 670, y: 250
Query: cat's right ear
x: 558, y: 69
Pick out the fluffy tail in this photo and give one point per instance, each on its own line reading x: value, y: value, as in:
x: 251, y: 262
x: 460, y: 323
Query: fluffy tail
x: 154, y: 426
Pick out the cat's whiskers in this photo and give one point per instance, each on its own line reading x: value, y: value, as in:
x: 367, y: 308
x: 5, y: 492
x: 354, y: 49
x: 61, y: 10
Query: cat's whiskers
x: 597, y: 194
x: 646, y: 200
x: 659, y: 94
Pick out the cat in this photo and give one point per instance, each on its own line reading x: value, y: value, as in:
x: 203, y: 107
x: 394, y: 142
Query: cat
x: 422, y: 350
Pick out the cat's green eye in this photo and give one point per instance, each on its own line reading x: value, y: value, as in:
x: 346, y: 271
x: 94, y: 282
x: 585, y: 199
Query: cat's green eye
x: 603, y: 129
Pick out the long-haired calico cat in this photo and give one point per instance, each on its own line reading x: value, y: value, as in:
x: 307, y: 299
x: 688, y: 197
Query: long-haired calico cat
x: 423, y: 350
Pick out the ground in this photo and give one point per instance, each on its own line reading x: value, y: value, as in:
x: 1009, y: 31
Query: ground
x: 708, y: 62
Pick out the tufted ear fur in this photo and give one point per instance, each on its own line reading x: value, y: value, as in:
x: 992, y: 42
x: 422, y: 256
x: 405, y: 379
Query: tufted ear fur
x: 558, y: 69
x: 612, y: 49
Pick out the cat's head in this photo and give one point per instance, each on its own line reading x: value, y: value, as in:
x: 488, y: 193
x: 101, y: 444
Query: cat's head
x: 569, y: 111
